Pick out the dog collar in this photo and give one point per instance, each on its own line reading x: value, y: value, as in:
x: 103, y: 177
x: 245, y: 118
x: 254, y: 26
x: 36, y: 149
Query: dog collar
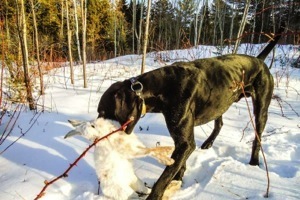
x: 137, y: 87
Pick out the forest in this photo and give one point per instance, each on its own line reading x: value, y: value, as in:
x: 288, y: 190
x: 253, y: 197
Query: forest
x: 37, y: 35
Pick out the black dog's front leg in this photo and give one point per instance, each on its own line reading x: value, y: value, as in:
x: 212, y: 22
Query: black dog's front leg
x: 180, y: 155
x: 182, y: 133
x: 210, y: 140
x: 180, y: 173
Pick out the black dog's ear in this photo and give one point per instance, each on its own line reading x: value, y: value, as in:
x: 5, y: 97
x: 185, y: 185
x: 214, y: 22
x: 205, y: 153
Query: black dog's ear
x: 128, y: 105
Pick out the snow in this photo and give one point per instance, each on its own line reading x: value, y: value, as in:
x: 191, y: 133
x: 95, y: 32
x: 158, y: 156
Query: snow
x: 221, y: 172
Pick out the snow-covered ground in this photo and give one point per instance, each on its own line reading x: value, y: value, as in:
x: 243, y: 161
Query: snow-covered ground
x: 221, y: 172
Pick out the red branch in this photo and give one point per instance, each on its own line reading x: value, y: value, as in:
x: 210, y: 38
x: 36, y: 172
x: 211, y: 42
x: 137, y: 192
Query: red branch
x: 65, y: 173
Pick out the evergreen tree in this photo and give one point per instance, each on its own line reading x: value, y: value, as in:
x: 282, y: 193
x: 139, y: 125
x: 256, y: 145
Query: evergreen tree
x: 184, y: 13
x: 100, y: 29
x: 163, y: 20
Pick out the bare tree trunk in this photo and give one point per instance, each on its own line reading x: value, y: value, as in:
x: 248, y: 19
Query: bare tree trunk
x: 262, y: 22
x: 221, y: 18
x: 61, y: 34
x: 115, y: 27
x: 205, y: 5
x: 84, y: 13
x: 215, y: 28
x: 196, y: 22
x: 140, y: 28
x: 22, y: 35
x: 69, y: 35
x: 2, y: 64
x: 254, y: 24
x: 146, y: 36
x: 133, y: 24
x: 291, y: 9
x: 37, y: 47
x: 242, y: 27
x: 234, y: 11
x: 6, y: 24
x: 77, y: 30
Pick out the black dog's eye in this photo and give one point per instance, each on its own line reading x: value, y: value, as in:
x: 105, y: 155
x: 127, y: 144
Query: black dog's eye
x: 101, y: 114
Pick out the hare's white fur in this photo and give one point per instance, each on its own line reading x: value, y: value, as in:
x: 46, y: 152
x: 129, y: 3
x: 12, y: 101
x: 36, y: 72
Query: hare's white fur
x: 113, y: 157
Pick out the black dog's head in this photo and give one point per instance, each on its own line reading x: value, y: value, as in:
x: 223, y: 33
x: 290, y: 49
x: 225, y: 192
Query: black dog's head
x: 120, y: 103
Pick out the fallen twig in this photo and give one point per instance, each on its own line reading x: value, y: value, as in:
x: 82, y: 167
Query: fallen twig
x: 65, y: 173
x: 22, y: 133
x: 279, y: 101
x: 244, y: 130
x: 11, y: 124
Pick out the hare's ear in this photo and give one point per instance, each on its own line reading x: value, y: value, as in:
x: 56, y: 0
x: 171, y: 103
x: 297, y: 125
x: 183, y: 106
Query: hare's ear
x: 75, y: 122
x: 72, y: 133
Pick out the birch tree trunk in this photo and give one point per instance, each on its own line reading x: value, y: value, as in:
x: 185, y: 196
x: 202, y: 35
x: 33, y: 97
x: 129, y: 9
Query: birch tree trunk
x: 37, y: 48
x: 205, y: 5
x: 196, y: 23
x: 146, y: 36
x: 242, y: 27
x: 23, y: 41
x: 254, y: 24
x: 77, y: 31
x: 221, y: 21
x: 69, y: 35
x: 262, y: 22
x: 234, y: 13
x: 140, y: 28
x: 2, y: 64
x: 84, y: 13
x: 215, y: 28
x: 115, y: 27
x: 133, y: 24
x: 61, y: 34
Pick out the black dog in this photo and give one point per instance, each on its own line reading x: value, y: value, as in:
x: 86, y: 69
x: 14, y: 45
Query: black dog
x: 190, y: 94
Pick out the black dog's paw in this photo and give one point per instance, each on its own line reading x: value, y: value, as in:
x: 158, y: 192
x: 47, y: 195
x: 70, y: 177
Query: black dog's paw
x: 254, y: 162
x: 206, y: 145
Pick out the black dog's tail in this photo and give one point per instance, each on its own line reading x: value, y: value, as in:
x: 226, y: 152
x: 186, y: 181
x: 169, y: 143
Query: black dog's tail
x: 271, y: 45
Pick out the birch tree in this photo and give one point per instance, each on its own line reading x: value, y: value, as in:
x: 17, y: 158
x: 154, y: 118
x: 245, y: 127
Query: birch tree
x: 139, y: 35
x: 233, y: 15
x: 201, y: 10
x: 22, y: 31
x: 262, y: 21
x: 84, y: 14
x: 133, y: 27
x: 242, y: 26
x: 37, y: 48
x: 146, y: 36
x: 77, y: 31
x: 69, y: 38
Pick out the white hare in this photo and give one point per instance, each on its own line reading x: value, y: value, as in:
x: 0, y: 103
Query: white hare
x: 113, y: 157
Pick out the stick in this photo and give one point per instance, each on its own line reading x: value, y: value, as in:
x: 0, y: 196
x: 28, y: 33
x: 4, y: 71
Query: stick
x: 65, y: 173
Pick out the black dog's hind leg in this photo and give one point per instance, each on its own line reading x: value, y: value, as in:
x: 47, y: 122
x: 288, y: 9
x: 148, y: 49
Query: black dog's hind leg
x: 261, y: 101
x: 217, y: 128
